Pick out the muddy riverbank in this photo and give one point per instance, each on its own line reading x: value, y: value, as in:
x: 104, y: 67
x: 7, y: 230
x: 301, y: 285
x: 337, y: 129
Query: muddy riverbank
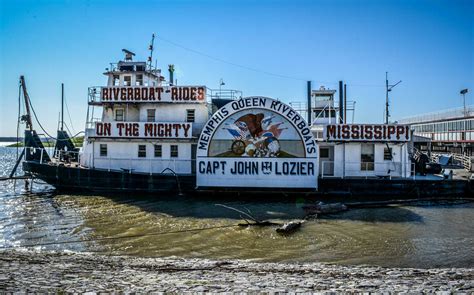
x: 29, y: 271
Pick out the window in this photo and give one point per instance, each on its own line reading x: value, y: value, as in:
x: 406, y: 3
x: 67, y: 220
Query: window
x: 116, y: 80
x: 127, y: 80
x: 158, y: 151
x: 174, y: 151
x: 139, y: 81
x: 142, y: 151
x: 367, y: 157
x: 387, y: 154
x: 190, y: 115
x: 324, y: 152
x: 103, y: 150
x: 119, y: 115
x: 150, y: 115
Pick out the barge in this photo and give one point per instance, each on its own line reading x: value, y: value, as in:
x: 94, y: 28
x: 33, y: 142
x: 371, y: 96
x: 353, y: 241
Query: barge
x: 146, y: 134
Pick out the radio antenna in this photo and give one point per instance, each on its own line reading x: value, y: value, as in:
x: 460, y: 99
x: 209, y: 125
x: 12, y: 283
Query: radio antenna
x: 150, y: 58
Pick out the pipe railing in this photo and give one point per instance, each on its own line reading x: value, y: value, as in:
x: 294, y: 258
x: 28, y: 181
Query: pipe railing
x: 362, y: 169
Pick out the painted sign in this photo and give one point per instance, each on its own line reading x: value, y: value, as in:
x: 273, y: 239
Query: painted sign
x: 367, y: 132
x: 257, y: 142
x: 193, y: 94
x: 143, y: 130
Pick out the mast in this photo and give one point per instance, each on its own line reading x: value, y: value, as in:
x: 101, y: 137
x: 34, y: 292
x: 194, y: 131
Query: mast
x: 150, y: 58
x: 27, y: 117
x: 62, y: 106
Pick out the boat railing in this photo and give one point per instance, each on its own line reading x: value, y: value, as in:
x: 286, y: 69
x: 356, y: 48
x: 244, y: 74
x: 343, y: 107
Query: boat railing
x: 386, y: 169
x: 144, y: 165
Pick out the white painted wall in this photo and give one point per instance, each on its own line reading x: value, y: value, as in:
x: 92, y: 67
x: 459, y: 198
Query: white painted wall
x: 347, y: 160
x: 124, y: 155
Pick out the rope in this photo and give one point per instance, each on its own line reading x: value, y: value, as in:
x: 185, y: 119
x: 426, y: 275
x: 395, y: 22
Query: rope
x: 119, y: 238
x: 41, y: 126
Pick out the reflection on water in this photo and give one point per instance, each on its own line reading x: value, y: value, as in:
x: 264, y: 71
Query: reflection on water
x: 418, y: 236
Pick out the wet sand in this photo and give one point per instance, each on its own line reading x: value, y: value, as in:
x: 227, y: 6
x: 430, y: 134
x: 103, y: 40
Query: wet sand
x: 30, y: 271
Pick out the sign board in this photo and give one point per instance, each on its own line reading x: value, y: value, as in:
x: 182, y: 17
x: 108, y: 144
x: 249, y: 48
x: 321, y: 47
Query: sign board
x: 257, y: 142
x: 187, y: 94
x: 367, y: 132
x: 143, y: 130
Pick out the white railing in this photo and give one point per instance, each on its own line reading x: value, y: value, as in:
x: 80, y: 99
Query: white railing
x: 440, y: 115
x: 366, y: 170
x: 145, y: 165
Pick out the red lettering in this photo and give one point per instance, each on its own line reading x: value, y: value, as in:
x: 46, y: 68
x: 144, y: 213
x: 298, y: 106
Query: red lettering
x: 400, y: 130
x: 120, y: 127
x: 186, y: 128
x: 123, y: 93
x: 331, y: 131
x: 105, y: 93
x: 174, y: 93
x: 107, y: 129
x: 201, y: 93
x: 137, y: 94
x: 345, y: 132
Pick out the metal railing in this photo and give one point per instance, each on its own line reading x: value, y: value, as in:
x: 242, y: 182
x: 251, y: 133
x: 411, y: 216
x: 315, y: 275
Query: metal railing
x: 464, y: 160
x: 387, y: 169
x: 439, y: 115
x: 145, y: 165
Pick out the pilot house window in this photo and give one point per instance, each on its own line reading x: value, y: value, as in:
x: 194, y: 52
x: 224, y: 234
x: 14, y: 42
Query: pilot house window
x: 139, y: 81
x: 116, y: 80
x: 127, y: 80
x: 142, y: 151
x: 119, y: 115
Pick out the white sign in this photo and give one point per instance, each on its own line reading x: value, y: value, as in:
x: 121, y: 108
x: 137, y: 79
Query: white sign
x: 254, y: 172
x: 143, y: 130
x: 367, y: 132
x: 257, y: 142
x: 193, y: 94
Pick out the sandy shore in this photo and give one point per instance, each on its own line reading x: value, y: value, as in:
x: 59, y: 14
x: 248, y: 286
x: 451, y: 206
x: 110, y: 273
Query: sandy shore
x: 23, y: 271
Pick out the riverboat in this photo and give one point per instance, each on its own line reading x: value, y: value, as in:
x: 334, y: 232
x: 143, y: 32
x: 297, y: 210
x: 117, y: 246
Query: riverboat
x: 144, y: 133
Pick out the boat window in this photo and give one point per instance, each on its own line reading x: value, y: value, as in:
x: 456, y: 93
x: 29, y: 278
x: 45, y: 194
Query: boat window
x: 119, y: 115
x: 140, y: 68
x: 127, y: 80
x: 103, y: 150
x: 142, y: 151
x: 387, y: 154
x: 116, y: 80
x: 174, y: 151
x: 158, y: 151
x: 190, y: 115
x: 139, y: 81
x: 367, y: 157
x: 150, y: 115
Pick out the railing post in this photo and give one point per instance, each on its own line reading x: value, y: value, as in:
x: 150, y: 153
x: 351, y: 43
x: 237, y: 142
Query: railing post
x: 41, y: 157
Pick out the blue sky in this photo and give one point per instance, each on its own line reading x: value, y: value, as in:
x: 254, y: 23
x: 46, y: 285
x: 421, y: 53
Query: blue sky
x: 429, y: 45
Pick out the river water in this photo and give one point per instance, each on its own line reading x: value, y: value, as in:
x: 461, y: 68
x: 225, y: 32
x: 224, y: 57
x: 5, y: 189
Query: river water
x: 426, y: 235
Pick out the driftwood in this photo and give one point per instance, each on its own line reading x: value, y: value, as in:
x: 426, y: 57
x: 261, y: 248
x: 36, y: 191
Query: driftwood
x: 255, y: 221
x: 289, y: 227
x: 322, y: 208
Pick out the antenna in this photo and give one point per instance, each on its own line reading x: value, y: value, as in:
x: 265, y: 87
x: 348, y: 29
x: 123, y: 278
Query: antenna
x: 388, y: 88
x: 150, y: 58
